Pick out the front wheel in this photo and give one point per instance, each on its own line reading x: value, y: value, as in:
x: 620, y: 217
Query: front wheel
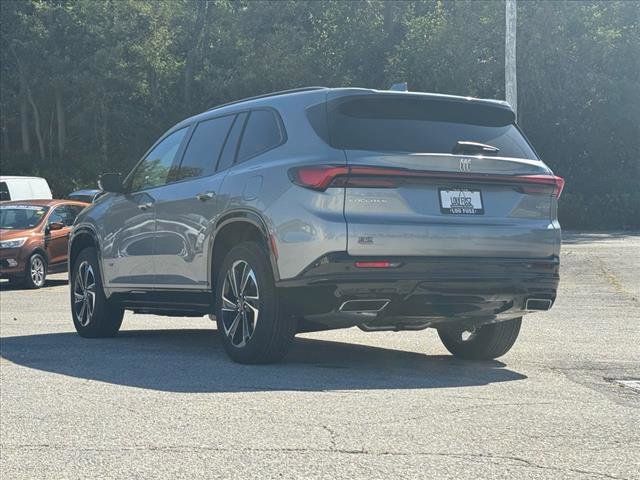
x: 36, y: 273
x: 93, y: 314
x: 251, y: 324
x: 482, y: 343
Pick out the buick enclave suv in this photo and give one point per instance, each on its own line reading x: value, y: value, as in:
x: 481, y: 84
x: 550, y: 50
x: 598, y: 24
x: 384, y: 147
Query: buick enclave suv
x: 321, y: 208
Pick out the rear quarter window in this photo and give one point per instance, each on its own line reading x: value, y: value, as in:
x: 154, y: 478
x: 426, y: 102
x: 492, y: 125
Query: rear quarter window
x: 263, y: 131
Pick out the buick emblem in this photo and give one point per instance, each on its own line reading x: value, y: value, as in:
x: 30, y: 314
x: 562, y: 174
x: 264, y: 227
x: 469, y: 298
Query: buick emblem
x: 465, y: 165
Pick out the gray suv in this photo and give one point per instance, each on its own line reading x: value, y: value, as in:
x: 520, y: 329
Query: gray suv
x: 322, y: 208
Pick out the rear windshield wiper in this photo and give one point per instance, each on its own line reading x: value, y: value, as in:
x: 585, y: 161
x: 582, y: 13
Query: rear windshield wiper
x: 462, y: 147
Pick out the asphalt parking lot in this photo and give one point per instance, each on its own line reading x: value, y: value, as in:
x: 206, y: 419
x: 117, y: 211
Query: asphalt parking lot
x: 162, y: 400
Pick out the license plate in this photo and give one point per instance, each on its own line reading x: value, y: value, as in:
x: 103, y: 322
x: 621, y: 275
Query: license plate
x: 461, y: 202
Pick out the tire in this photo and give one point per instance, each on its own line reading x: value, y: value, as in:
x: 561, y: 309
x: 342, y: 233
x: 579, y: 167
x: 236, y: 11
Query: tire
x: 93, y: 315
x: 485, y: 343
x: 251, y: 323
x: 36, y: 273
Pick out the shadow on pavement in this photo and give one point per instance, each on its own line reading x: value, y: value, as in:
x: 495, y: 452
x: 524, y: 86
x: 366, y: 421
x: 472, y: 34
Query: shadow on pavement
x: 194, y: 361
x: 6, y: 285
x: 579, y: 238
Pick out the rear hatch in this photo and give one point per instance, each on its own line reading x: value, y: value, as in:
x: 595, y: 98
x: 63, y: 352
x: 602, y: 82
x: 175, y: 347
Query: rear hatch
x: 441, y: 176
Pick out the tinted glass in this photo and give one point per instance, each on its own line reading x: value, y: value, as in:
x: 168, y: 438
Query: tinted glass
x: 262, y: 133
x: 57, y: 216
x: 422, y: 126
x: 231, y: 146
x: 82, y: 197
x: 154, y: 169
x: 202, y: 153
x: 4, y: 192
x: 65, y: 214
x: 20, y: 217
x: 74, y: 211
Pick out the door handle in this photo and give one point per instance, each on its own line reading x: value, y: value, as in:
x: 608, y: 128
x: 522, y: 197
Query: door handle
x: 205, y: 196
x: 145, y: 206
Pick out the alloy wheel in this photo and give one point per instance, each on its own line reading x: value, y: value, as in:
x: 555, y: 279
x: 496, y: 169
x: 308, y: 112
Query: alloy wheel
x: 240, y: 303
x: 37, y: 271
x: 84, y: 294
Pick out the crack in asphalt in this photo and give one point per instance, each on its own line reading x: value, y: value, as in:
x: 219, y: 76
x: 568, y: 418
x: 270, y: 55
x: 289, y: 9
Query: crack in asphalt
x: 602, y: 383
x: 611, y: 278
x: 453, y: 411
x: 520, y: 462
x: 333, y: 436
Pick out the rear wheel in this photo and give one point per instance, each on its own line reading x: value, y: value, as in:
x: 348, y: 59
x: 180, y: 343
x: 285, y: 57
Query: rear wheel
x: 251, y: 323
x: 36, y: 273
x: 482, y: 343
x: 93, y: 314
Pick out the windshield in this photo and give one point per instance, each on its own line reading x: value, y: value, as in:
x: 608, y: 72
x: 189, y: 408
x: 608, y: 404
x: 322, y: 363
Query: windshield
x: 21, y: 217
x: 418, y: 125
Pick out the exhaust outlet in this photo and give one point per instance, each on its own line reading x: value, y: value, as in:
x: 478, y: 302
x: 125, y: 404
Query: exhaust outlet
x: 364, y: 306
x: 538, y: 304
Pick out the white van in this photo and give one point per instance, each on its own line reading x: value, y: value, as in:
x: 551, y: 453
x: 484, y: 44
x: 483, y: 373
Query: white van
x: 24, y: 188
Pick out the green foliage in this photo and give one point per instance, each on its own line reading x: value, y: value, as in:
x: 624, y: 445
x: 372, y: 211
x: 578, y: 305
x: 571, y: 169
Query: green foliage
x: 611, y: 210
x: 86, y: 85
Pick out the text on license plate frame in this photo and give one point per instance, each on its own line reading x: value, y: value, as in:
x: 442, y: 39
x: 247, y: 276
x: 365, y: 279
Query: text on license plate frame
x: 460, y: 201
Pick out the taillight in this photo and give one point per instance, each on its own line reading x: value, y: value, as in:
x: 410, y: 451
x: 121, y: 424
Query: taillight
x: 559, y: 186
x: 537, y: 184
x: 317, y: 177
x: 321, y: 177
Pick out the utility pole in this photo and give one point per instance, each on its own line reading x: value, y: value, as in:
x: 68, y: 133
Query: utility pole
x: 510, y: 81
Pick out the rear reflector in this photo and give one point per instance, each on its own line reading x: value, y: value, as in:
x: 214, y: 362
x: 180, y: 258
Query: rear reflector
x: 321, y: 177
x: 377, y: 264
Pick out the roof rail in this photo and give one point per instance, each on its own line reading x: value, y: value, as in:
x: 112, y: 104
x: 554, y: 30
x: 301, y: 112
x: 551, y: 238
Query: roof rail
x: 265, y: 95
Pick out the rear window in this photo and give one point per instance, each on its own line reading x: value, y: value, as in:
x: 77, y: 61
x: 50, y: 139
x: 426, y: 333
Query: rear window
x: 418, y: 125
x: 81, y: 197
x: 201, y: 156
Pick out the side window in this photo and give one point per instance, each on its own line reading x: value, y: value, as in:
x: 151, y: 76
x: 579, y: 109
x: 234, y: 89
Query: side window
x: 56, y: 216
x: 201, y: 156
x: 262, y: 133
x: 154, y: 169
x: 4, y: 192
x: 62, y: 214
x: 230, y: 147
x: 74, y: 211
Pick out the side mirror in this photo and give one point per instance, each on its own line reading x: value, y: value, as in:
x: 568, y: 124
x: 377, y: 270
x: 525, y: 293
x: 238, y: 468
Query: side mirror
x: 111, y: 182
x: 56, y: 226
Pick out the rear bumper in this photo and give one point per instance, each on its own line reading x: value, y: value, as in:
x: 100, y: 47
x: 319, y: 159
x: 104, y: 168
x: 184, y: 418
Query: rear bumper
x: 420, y: 291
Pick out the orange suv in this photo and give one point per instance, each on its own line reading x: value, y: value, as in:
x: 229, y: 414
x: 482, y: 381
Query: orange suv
x: 33, y: 239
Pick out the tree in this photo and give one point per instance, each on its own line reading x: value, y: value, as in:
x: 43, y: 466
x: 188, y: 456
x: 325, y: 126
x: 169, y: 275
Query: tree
x: 86, y: 86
